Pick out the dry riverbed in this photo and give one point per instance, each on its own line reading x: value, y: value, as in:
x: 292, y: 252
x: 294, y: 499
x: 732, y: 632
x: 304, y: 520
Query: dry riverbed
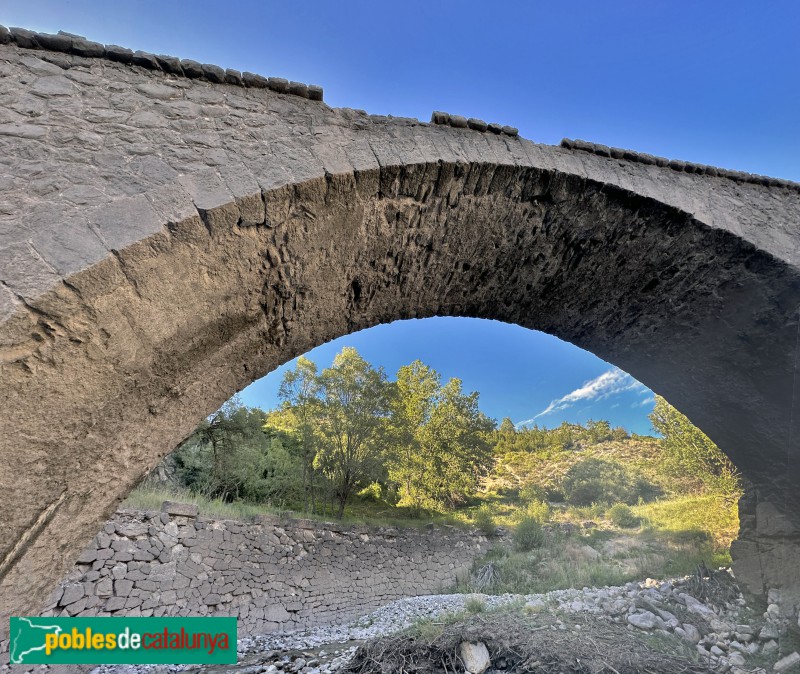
x: 687, y: 625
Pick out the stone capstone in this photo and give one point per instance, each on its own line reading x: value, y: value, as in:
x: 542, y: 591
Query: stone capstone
x: 182, y: 509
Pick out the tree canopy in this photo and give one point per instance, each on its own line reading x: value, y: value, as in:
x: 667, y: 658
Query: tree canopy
x: 422, y: 445
x: 688, y: 450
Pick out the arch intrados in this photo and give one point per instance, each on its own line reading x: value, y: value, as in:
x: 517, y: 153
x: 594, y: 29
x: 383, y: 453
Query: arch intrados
x: 172, y: 325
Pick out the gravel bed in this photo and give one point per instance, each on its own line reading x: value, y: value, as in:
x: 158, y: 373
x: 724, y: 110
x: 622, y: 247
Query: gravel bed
x: 701, y: 612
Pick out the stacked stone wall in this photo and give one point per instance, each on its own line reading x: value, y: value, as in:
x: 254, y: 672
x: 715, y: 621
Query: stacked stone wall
x: 273, y: 575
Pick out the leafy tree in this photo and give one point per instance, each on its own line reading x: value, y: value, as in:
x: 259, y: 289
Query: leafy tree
x: 440, y: 439
x: 416, y: 388
x: 353, y: 401
x: 689, y: 451
x: 298, y: 393
x: 507, y: 428
x: 230, y: 457
x: 619, y: 433
x: 598, y: 431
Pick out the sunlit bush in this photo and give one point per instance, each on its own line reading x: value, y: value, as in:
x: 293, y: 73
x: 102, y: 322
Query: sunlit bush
x: 484, y: 521
x: 622, y: 515
x: 528, y: 535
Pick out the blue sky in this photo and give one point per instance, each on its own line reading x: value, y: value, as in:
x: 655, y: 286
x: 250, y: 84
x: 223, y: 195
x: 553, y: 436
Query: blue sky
x: 713, y: 82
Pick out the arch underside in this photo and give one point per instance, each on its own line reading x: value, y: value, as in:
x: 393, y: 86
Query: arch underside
x: 109, y: 370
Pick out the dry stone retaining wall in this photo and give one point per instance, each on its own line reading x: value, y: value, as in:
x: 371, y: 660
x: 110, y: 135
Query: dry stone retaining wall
x: 273, y: 575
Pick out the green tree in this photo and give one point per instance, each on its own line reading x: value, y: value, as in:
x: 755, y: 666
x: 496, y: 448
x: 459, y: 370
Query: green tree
x: 444, y: 448
x: 299, y: 395
x: 598, y: 431
x: 353, y: 402
x: 417, y: 388
x: 230, y: 457
x: 689, y: 451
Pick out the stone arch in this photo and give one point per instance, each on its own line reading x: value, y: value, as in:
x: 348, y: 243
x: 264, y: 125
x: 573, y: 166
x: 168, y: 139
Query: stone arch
x: 214, y: 229
x: 133, y: 351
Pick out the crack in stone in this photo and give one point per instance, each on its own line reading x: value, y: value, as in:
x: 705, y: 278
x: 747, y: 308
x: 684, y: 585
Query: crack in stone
x: 30, y: 535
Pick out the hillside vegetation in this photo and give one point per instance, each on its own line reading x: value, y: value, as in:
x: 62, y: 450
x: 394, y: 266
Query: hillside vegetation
x: 571, y: 506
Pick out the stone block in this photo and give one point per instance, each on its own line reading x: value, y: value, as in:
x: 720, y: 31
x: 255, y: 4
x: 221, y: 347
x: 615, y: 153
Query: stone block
x: 72, y: 593
x: 132, y: 602
x: 104, y: 588
x: 76, y: 607
x: 132, y: 529
x: 87, y: 556
x: 123, y: 587
x: 276, y: 613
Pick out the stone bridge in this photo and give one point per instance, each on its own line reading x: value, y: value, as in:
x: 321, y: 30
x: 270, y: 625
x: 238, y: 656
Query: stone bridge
x: 171, y: 231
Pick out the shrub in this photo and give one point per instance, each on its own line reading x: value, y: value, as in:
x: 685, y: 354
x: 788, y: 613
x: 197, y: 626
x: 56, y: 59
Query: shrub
x: 533, y: 492
x: 622, y: 515
x: 538, y: 510
x: 371, y: 493
x: 487, y: 577
x: 475, y: 605
x: 528, y: 535
x: 601, y: 481
x: 484, y: 521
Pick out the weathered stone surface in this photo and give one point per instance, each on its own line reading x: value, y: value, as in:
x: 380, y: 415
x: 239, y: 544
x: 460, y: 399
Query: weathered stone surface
x: 87, y: 556
x: 644, y: 620
x: 786, y: 663
x: 474, y: 656
x: 22, y: 130
x: 192, y: 68
x: 72, y: 593
x: 105, y: 588
x: 687, y: 278
x: 691, y: 633
x: 58, y: 42
x: 696, y: 607
x: 182, y: 509
x: 117, y: 53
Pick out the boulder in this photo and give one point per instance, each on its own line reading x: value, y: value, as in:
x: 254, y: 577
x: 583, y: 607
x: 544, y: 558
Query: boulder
x: 644, y: 620
x: 697, y: 607
x: 691, y: 632
x: 784, y: 664
x: 475, y: 657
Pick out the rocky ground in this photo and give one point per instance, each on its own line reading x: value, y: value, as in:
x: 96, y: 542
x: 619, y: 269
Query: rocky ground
x: 694, y: 624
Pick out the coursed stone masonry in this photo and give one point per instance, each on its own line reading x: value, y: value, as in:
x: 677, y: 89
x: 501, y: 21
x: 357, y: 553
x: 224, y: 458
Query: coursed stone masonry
x: 273, y: 575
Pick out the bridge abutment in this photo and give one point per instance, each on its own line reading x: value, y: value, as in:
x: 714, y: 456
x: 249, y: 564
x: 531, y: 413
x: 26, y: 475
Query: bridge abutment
x: 766, y: 556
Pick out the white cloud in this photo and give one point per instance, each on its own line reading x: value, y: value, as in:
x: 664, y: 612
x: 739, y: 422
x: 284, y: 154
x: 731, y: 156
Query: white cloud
x: 610, y: 383
x: 644, y: 403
